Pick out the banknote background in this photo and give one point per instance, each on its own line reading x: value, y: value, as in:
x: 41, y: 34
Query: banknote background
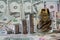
x: 13, y: 12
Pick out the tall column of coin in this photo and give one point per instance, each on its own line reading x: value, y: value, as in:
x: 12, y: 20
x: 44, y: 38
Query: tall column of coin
x: 31, y: 24
x: 24, y: 26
